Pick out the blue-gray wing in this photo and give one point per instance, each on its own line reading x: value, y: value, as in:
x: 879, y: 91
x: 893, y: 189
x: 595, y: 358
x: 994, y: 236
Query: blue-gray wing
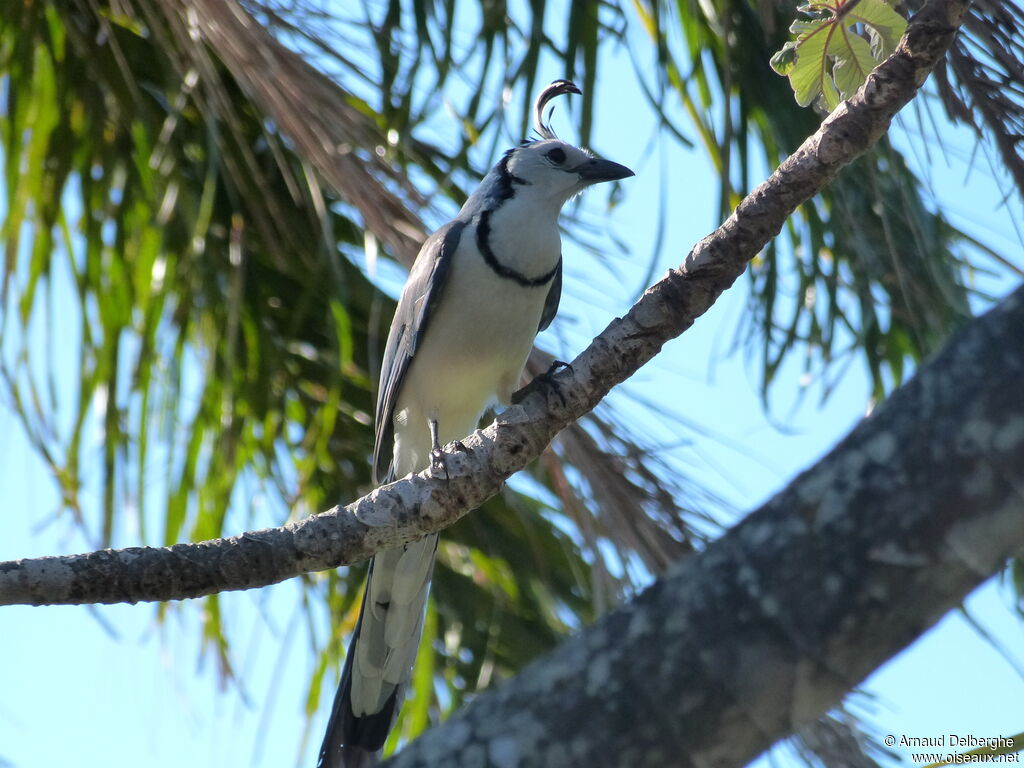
x: 412, y: 318
x: 553, y: 297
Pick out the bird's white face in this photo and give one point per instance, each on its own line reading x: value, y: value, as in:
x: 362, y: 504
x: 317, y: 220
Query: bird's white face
x: 556, y: 171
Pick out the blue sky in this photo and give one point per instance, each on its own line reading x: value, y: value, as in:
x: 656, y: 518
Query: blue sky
x: 110, y: 686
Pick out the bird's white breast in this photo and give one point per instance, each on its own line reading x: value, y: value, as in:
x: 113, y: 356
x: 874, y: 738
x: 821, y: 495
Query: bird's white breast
x: 479, y: 336
x: 524, y: 234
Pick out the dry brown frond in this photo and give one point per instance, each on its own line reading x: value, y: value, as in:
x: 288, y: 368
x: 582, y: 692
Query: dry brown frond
x: 317, y: 117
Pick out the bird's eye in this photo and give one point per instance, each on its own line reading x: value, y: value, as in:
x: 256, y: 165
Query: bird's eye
x: 556, y: 156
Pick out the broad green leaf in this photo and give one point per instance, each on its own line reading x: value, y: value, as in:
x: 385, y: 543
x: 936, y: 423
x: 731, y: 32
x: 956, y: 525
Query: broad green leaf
x: 784, y: 60
x: 853, y: 62
x: 831, y: 56
x: 809, y: 76
x: 885, y: 26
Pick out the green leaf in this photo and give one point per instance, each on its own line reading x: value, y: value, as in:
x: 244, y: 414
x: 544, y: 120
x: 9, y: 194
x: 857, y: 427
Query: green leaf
x: 809, y: 76
x: 884, y: 25
x: 834, y: 52
x: 783, y: 61
x: 853, y: 61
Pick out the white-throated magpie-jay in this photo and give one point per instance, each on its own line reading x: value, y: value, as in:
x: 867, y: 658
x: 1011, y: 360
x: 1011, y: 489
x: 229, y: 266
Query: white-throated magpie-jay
x: 481, y: 288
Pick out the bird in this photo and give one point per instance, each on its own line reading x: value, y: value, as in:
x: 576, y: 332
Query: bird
x: 481, y: 288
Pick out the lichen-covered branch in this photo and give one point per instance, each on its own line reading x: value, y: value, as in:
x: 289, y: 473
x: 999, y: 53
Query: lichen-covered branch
x: 770, y: 626
x: 410, y: 508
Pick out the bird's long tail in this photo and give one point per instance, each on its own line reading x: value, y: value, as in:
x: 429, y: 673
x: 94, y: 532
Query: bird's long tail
x: 380, y: 656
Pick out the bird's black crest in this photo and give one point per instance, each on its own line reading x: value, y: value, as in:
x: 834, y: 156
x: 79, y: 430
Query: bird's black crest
x: 557, y: 88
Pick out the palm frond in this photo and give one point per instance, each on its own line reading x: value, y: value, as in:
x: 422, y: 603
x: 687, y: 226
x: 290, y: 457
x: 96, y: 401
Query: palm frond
x: 982, y: 84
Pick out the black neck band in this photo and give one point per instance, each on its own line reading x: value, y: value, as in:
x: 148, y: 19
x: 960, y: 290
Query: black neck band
x: 506, y: 191
x: 483, y: 234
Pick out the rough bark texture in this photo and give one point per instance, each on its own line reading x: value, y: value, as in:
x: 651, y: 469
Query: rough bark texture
x: 775, y: 621
x: 413, y: 507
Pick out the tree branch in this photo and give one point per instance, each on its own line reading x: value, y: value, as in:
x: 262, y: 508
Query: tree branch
x: 412, y: 507
x: 769, y: 627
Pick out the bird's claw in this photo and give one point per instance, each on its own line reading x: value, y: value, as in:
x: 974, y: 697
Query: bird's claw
x: 438, y: 464
x: 544, y: 383
x: 556, y: 366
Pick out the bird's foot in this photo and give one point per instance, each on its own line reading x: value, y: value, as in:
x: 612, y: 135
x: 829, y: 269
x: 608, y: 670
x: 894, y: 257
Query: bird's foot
x: 439, y: 459
x: 544, y: 383
x: 438, y: 464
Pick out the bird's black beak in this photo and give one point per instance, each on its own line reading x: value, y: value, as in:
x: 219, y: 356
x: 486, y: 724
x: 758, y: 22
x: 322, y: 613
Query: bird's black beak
x: 597, y: 169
